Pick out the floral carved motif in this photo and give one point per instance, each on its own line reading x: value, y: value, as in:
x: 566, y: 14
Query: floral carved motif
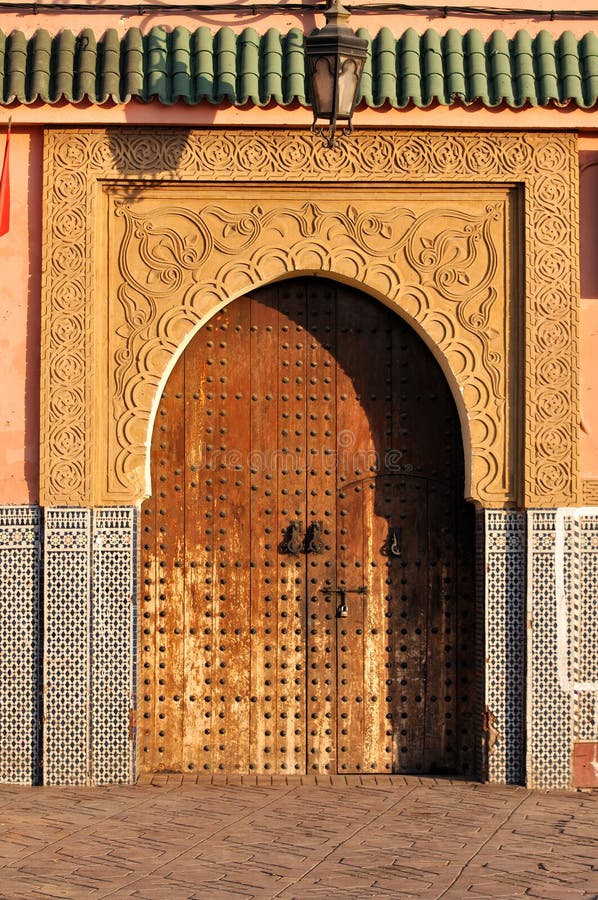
x: 440, y: 266
x: 590, y: 492
x: 181, y: 240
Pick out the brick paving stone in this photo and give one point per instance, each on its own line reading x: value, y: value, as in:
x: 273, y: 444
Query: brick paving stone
x: 297, y: 837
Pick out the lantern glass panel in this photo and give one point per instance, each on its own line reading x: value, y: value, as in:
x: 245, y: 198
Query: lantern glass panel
x: 323, y: 85
x: 348, y: 80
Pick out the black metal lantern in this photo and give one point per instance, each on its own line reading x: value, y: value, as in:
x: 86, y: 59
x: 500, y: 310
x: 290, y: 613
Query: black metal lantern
x: 334, y: 58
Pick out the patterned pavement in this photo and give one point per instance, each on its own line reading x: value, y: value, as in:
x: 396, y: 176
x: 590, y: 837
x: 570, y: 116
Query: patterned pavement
x: 176, y: 839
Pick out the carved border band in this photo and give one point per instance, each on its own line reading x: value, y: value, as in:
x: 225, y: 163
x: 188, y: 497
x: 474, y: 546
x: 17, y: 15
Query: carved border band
x: 80, y: 166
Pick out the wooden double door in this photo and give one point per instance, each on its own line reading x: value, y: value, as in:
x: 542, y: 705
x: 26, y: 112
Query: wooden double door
x: 306, y: 590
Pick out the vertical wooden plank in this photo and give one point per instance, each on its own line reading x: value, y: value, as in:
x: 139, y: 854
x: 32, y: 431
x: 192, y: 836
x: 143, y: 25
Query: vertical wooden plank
x: 320, y: 429
x: 264, y: 341
x: 440, y: 725
x: 289, y: 655
x: 409, y: 623
x: 357, y: 336
x: 200, y: 459
x: 147, y: 713
x: 169, y: 491
x: 377, y: 399
x: 231, y: 610
x: 379, y: 602
x: 412, y: 452
x: 466, y: 637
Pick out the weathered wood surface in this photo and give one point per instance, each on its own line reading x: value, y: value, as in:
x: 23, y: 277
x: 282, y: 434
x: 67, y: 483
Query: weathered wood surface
x: 308, y: 403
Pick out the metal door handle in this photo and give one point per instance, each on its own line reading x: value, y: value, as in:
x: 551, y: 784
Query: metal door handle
x: 315, y: 543
x: 392, y: 546
x: 293, y: 538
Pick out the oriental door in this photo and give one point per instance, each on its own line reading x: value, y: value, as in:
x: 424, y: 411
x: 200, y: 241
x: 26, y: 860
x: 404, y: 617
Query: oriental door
x: 306, y: 601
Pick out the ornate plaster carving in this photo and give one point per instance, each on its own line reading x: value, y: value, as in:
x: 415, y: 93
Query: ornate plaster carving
x: 590, y: 492
x: 133, y: 265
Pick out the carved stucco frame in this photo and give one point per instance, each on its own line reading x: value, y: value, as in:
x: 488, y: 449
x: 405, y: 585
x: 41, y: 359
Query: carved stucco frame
x: 79, y: 446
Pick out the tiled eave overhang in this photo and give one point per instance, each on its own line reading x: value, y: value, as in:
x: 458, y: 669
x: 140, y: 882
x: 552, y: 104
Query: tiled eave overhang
x: 226, y: 68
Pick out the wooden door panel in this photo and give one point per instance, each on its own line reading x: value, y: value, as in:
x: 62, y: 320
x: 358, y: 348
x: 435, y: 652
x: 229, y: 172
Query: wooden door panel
x: 306, y: 402
x: 225, y: 634
x: 287, y: 624
x: 440, y: 727
x: 351, y: 645
x: 199, y: 550
x: 321, y: 431
x: 263, y: 526
x: 379, y: 515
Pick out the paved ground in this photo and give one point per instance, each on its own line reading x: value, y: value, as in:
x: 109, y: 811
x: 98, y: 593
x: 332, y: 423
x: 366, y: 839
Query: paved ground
x: 266, y: 838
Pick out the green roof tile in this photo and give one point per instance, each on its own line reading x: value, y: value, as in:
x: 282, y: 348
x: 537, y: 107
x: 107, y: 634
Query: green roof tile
x: 366, y: 85
x: 384, y: 68
x: 108, y: 67
x: 249, y: 68
x: 40, y: 58
x: 588, y: 58
x: 432, y: 63
x: 202, y: 62
x: 454, y: 67
x: 86, y: 65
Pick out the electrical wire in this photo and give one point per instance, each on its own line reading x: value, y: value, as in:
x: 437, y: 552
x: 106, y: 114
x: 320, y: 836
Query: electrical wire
x: 259, y: 8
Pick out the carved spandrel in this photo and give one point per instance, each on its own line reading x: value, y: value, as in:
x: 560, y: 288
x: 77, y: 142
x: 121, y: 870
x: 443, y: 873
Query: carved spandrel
x: 450, y: 255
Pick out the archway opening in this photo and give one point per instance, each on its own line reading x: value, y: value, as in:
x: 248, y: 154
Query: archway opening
x: 307, y: 598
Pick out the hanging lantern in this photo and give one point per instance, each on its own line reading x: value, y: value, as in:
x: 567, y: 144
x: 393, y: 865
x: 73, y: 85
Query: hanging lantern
x: 334, y: 58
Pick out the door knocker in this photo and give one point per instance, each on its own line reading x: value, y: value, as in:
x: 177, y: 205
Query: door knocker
x: 393, y: 541
x: 292, y: 542
x: 315, y: 543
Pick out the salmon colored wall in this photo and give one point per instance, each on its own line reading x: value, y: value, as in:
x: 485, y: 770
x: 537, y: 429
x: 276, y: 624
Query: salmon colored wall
x: 19, y: 322
x: 20, y: 249
x: 94, y: 16
x: 589, y: 305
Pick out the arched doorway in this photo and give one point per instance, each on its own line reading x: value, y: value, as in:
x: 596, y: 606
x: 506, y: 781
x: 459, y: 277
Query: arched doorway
x: 307, y: 555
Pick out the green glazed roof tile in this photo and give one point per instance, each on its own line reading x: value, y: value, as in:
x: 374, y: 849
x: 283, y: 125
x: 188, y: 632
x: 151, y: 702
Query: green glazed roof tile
x: 409, y: 70
x: 202, y: 63
x: 108, y: 67
x: 524, y: 84
x: 40, y: 53
x: 588, y: 57
x: 247, y: 68
x: 569, y: 65
x: 366, y: 85
x: 384, y: 68
x: 87, y: 50
x: 498, y: 56
x: 474, y: 51
x: 432, y: 64
x: 294, y: 68
x: 454, y: 61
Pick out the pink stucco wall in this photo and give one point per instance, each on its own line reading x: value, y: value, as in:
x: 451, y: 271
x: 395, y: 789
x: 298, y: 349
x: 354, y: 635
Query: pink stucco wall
x: 589, y: 304
x: 20, y: 253
x: 20, y: 249
x: 100, y: 18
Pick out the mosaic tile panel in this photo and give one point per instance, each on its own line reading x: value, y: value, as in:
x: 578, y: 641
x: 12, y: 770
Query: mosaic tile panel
x: 585, y: 632
x: 113, y: 631
x: 504, y: 573
x: 89, y: 645
x: 66, y: 645
x: 20, y: 650
x: 550, y: 580
x: 481, y: 762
